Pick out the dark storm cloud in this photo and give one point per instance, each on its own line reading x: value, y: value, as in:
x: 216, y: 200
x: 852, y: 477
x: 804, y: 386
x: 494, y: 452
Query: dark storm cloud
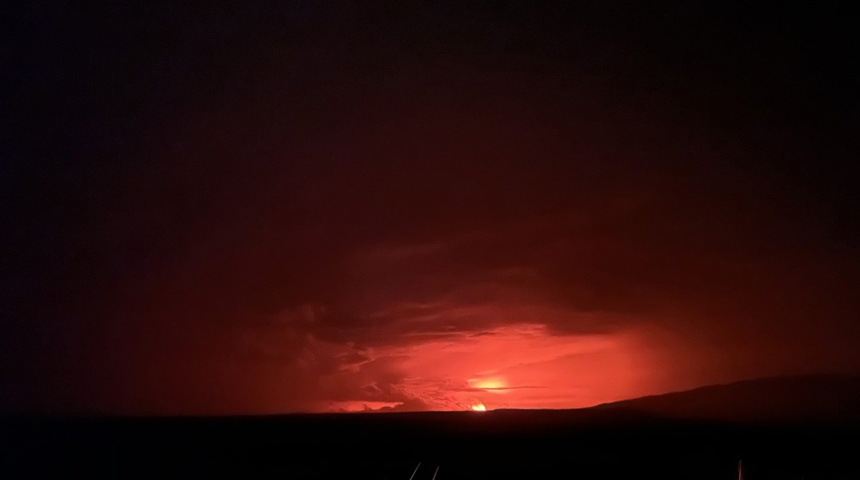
x: 260, y: 209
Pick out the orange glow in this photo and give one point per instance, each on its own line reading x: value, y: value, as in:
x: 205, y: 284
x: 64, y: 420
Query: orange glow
x: 494, y: 384
x: 479, y: 407
x: 360, y: 406
x: 526, y: 366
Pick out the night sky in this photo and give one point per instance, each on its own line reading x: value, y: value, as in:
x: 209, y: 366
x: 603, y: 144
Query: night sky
x: 326, y: 206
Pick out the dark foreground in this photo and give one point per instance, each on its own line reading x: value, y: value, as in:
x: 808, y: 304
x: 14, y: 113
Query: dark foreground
x: 503, y: 444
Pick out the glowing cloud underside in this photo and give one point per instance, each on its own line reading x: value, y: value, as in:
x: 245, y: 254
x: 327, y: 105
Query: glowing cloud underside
x: 525, y: 366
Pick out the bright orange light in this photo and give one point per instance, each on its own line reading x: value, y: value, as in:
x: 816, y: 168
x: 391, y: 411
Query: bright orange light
x: 479, y: 407
x: 525, y: 366
x: 491, y: 384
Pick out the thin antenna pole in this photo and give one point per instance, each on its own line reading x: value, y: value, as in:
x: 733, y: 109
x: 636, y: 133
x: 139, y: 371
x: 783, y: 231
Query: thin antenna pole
x: 416, y: 471
x: 434, y: 473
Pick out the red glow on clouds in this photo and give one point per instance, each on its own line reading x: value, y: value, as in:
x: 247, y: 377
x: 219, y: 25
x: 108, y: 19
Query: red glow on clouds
x: 521, y: 366
x: 392, y: 226
x: 514, y: 366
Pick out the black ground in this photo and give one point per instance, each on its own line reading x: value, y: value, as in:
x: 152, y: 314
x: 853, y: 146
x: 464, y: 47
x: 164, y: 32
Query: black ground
x: 502, y: 444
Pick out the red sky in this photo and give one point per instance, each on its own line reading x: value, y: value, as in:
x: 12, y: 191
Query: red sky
x: 319, y: 210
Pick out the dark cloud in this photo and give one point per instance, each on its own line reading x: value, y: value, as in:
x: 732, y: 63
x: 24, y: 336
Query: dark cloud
x: 295, y: 208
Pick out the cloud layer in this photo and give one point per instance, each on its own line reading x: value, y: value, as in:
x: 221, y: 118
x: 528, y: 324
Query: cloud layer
x: 294, y: 209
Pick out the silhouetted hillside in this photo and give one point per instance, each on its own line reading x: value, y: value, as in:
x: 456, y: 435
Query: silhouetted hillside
x: 819, y: 398
x: 782, y: 428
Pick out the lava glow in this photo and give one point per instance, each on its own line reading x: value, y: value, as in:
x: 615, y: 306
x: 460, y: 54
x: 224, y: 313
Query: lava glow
x: 522, y: 366
x: 479, y: 407
x: 490, y: 384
